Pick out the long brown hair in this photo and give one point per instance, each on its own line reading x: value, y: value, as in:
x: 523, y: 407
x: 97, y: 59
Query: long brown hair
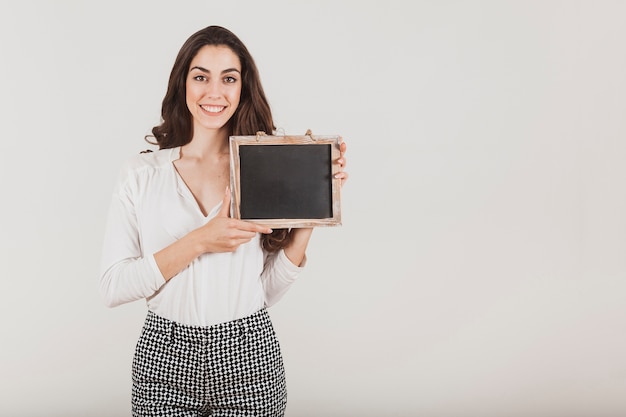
x: 252, y: 115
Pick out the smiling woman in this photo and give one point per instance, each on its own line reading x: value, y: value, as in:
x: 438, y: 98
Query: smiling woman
x: 213, y: 87
x: 208, y: 344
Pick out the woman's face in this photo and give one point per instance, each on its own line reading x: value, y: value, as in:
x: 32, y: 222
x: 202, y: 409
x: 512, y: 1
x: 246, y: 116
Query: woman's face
x: 213, y: 87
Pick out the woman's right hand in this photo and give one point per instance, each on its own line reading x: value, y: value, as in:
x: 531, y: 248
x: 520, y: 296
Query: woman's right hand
x: 220, y: 234
x: 225, y: 234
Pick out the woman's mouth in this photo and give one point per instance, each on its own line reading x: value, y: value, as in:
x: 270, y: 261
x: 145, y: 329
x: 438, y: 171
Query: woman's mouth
x: 213, y: 109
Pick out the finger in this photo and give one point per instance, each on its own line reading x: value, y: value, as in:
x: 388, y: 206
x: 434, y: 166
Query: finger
x: 342, y: 150
x: 252, y: 227
x: 342, y: 177
x: 225, y: 209
x: 261, y: 229
x: 242, y: 235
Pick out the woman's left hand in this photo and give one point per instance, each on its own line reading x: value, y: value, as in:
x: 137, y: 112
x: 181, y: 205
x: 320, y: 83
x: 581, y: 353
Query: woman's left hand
x: 342, y: 175
x: 296, y: 248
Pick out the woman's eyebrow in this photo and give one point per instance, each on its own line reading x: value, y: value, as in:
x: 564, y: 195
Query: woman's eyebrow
x: 200, y: 69
x: 231, y: 70
x: 208, y: 72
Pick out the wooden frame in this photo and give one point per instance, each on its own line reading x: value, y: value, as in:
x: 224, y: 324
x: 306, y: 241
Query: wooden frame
x: 285, y: 181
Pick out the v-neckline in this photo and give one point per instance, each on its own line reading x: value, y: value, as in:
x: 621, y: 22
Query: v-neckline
x: 186, y: 191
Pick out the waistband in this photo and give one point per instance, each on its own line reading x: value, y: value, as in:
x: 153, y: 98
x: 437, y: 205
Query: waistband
x: 191, y: 333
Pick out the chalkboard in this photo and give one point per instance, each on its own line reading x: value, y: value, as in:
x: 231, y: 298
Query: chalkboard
x: 285, y: 181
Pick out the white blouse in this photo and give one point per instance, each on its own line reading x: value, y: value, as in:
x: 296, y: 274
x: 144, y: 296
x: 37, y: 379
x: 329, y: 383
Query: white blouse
x: 151, y: 208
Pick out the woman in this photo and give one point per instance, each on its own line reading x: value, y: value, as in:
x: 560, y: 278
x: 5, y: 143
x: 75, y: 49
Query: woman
x: 207, y: 346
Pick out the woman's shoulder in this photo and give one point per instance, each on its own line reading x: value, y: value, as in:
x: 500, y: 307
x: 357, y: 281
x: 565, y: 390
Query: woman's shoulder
x: 145, y: 165
x: 152, y: 159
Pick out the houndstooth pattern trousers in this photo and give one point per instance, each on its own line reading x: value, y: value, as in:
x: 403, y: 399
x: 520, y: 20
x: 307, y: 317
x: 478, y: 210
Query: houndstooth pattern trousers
x: 229, y: 369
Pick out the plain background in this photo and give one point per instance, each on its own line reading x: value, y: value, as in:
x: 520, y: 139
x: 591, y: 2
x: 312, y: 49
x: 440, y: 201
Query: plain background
x: 480, y: 270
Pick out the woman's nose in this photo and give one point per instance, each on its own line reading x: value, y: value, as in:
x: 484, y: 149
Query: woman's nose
x: 213, y: 89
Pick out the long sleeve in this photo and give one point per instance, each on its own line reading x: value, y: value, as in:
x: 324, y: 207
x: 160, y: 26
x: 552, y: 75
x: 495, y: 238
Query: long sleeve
x: 127, y: 274
x: 278, y: 275
x: 152, y: 208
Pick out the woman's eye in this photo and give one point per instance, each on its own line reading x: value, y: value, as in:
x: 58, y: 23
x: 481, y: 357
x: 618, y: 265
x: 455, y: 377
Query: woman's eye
x: 199, y: 78
x: 230, y: 79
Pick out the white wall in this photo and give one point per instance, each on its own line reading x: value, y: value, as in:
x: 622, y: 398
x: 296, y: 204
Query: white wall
x: 480, y: 270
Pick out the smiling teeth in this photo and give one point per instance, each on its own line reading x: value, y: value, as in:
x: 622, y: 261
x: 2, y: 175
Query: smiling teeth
x: 213, y: 109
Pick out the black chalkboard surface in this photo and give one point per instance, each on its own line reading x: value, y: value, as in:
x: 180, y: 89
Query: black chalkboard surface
x: 285, y: 181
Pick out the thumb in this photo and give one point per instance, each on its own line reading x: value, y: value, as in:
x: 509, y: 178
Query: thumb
x: 225, y: 209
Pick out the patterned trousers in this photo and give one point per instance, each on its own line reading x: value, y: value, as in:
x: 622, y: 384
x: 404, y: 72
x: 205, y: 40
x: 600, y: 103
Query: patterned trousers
x: 229, y: 369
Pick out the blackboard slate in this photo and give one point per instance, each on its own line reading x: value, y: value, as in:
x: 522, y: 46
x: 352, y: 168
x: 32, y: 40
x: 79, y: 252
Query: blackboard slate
x: 285, y: 181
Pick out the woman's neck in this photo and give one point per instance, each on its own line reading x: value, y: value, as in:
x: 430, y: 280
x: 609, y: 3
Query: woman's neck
x: 207, y: 144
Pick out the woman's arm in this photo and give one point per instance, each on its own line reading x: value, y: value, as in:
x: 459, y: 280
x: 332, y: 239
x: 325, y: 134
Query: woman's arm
x: 282, y: 268
x: 220, y: 234
x: 299, y: 239
x: 128, y: 275
x: 125, y: 274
